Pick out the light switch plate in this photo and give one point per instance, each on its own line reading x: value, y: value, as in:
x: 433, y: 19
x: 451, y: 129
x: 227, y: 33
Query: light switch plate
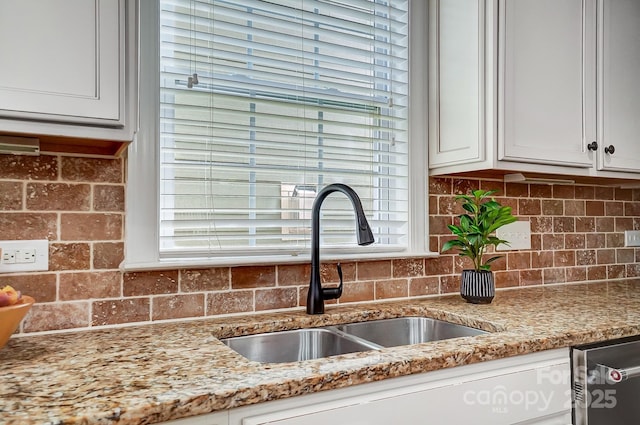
x: 632, y: 238
x: 24, y: 256
x: 518, y: 234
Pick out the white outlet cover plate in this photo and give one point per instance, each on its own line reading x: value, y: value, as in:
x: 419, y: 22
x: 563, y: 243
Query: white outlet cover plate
x: 41, y: 248
x: 518, y: 234
x: 632, y: 238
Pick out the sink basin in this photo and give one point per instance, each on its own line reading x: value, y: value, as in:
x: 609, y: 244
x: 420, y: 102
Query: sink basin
x: 315, y: 343
x: 295, y: 345
x: 407, y: 330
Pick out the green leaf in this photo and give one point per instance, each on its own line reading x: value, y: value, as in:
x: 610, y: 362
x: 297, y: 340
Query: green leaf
x: 454, y: 243
x: 472, y: 208
x: 476, y: 229
x: 474, y: 238
x: 500, y: 222
x: 492, y: 259
x: 491, y: 205
x: 455, y: 229
x: 465, y: 222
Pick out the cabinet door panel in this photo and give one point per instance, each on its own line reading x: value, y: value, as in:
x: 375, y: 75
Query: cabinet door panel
x: 456, y: 90
x: 61, y: 59
x: 537, y: 394
x: 546, y: 81
x: 620, y: 67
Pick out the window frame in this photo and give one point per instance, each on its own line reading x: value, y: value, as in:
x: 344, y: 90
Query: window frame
x: 142, y: 190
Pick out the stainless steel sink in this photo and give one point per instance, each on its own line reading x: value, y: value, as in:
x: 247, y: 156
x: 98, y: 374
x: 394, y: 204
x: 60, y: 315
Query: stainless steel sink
x: 314, y: 343
x: 407, y: 330
x: 296, y: 345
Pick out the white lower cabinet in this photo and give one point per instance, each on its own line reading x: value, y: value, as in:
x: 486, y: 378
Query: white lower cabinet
x: 527, y: 389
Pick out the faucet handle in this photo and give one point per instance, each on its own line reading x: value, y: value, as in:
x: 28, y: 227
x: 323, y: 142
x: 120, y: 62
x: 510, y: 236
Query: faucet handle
x: 334, y: 293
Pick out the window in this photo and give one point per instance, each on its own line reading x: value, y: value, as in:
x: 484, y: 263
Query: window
x: 251, y: 107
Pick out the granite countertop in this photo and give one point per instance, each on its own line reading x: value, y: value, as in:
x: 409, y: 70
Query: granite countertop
x: 153, y: 373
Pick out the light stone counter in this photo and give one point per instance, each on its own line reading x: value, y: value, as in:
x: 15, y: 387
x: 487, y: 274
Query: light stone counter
x: 153, y: 373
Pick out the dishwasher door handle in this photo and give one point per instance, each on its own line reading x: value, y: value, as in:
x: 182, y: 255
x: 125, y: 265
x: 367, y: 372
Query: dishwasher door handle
x: 614, y: 375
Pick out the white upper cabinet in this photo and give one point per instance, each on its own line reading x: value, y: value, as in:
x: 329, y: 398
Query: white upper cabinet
x: 538, y: 86
x: 48, y: 57
x: 456, y: 82
x: 546, y: 102
x: 68, y: 68
x: 619, y: 72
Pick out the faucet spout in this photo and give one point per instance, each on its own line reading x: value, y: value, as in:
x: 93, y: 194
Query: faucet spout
x: 317, y: 294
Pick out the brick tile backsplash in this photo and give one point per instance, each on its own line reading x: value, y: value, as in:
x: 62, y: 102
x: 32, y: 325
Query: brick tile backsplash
x: 202, y: 280
x: 294, y: 274
x: 253, y: 277
x: 229, y: 302
x: 177, y: 306
x: 374, y: 270
x: 396, y: 288
x: 357, y: 291
x: 91, y: 226
x: 107, y: 255
x: 10, y: 195
x: 88, y: 285
x: 29, y: 225
x: 150, y: 283
x: 277, y: 298
x: 125, y: 310
x: 78, y: 205
x: 55, y: 316
x: 18, y: 167
x: 408, y: 267
x: 108, y: 198
x: 69, y: 256
x: 41, y: 286
x: 420, y: 286
x: 58, y: 196
x: 92, y: 170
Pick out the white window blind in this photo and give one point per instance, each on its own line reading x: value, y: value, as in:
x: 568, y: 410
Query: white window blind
x: 263, y: 103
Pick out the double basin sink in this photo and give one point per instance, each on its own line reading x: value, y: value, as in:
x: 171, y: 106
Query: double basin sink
x: 306, y: 344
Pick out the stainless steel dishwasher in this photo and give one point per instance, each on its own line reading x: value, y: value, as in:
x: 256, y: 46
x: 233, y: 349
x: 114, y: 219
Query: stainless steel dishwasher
x: 606, y: 382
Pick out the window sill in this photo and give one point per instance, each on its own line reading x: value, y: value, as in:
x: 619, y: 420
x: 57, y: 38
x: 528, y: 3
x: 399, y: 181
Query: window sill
x: 265, y: 260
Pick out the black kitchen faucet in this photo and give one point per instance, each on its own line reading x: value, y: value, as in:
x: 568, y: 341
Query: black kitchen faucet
x: 317, y: 294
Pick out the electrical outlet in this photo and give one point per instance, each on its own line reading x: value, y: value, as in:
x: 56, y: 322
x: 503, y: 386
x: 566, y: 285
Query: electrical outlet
x: 24, y: 256
x: 632, y: 238
x: 27, y: 255
x: 8, y: 256
x: 518, y: 234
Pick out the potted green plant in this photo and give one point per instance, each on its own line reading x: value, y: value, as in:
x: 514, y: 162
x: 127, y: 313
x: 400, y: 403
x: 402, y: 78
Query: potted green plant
x: 473, y: 235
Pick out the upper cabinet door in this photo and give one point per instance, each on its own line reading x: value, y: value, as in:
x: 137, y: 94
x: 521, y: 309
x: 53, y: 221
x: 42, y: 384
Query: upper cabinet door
x: 62, y: 60
x: 619, y: 65
x: 456, y: 75
x: 546, y: 81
